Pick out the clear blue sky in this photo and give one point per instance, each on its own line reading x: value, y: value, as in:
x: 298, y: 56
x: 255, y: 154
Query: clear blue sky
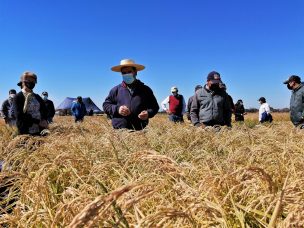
x: 71, y: 45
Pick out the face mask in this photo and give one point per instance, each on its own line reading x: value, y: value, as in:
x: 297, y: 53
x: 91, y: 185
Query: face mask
x: 214, y: 87
x: 30, y: 85
x: 289, y: 87
x: 128, y: 78
x: 45, y: 98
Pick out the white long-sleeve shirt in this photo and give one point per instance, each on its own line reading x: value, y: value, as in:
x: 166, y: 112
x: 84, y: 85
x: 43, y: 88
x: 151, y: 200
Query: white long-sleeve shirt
x: 263, y: 108
x: 166, y: 102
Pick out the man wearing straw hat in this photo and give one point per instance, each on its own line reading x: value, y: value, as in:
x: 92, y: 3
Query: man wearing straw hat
x: 131, y: 103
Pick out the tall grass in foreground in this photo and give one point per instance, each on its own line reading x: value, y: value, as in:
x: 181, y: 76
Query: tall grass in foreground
x: 169, y: 175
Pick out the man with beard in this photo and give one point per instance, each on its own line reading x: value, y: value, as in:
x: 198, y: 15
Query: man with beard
x: 296, y: 101
x: 211, y: 104
x: 7, y: 109
x: 177, y: 106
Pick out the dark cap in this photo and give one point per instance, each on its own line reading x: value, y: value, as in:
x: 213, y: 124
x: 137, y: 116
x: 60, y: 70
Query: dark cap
x: 293, y: 78
x: 198, y: 87
x: 12, y: 91
x: 262, y: 99
x: 214, y: 76
x: 79, y: 98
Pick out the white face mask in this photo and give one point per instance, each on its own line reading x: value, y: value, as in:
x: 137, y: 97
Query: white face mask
x: 45, y: 97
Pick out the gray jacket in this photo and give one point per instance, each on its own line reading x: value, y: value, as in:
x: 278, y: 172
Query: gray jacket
x: 210, y: 108
x: 297, y: 105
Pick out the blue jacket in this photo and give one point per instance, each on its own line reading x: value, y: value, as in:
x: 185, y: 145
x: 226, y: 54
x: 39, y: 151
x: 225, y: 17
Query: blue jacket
x: 78, y: 110
x: 137, y: 99
x: 297, y: 105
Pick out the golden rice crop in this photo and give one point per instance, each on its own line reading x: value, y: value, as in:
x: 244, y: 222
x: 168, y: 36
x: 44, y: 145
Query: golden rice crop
x: 168, y: 175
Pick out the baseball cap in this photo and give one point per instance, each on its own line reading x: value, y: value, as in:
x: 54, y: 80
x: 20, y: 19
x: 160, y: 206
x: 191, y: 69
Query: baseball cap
x: 214, y: 76
x: 294, y: 78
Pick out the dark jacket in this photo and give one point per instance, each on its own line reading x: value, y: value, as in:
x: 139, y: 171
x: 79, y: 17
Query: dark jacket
x: 25, y: 120
x: 239, y: 112
x: 138, y: 99
x: 7, y: 109
x: 297, y: 105
x: 190, y: 100
x: 78, y: 110
x: 50, y: 108
x: 214, y: 108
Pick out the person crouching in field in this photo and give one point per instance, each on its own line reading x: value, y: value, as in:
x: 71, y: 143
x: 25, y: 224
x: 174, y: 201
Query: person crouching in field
x: 7, y: 109
x: 211, y: 104
x: 296, y: 100
x: 131, y: 103
x: 31, y: 114
x: 177, y: 106
x: 78, y: 110
x: 264, y: 111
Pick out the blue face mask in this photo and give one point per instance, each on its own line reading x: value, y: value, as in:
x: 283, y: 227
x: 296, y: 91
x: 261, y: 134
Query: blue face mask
x: 128, y: 78
x: 45, y: 98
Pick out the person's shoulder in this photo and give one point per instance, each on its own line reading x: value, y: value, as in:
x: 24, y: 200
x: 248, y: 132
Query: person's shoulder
x: 5, y: 101
x: 144, y: 87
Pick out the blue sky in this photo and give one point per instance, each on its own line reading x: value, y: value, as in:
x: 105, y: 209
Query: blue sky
x: 71, y: 45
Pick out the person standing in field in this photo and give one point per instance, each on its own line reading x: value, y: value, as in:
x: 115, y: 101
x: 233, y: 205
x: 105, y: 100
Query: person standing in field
x: 264, y: 111
x: 296, y: 100
x: 131, y: 103
x: 49, y: 107
x: 223, y: 86
x: 239, y: 111
x: 31, y: 114
x: 177, y: 106
x: 78, y: 109
x: 190, y: 100
x: 211, y: 104
x: 7, y: 109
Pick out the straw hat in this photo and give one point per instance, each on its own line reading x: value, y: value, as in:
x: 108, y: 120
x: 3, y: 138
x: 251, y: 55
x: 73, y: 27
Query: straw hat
x: 127, y: 63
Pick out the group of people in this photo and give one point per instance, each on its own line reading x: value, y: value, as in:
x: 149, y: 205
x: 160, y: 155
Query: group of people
x: 131, y: 104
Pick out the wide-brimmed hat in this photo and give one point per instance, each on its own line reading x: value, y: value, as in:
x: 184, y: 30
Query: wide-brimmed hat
x: 25, y: 76
x: 127, y: 63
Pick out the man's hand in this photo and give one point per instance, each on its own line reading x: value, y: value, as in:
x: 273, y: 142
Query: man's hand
x: 124, y: 110
x: 143, y: 115
x: 43, y: 124
x: 168, y: 111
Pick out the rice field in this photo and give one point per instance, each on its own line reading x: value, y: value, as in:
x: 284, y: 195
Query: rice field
x: 168, y: 175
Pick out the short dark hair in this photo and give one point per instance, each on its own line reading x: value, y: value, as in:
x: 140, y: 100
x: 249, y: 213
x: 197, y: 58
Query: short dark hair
x: 12, y: 91
x: 262, y: 99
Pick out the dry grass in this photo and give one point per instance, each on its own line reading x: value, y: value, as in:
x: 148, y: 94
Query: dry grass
x: 169, y: 175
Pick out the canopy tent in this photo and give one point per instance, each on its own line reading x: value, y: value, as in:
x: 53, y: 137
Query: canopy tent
x: 66, y: 105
